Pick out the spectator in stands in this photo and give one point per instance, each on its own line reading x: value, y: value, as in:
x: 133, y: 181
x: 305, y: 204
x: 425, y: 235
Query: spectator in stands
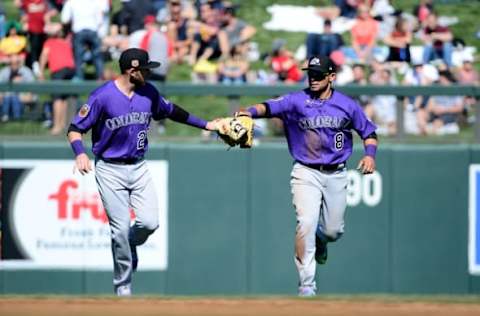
x: 13, y: 103
x: 57, y: 57
x: 86, y: 18
x: 179, y: 31
x: 468, y: 75
x: 415, y: 113
x: 359, y: 75
x: 360, y: 78
x: 133, y: 12
x: 205, y: 44
x: 13, y: 42
x: 325, y: 43
x: 208, y: 13
x: 382, y: 108
x: 398, y: 42
x: 36, y: 15
x: 234, y: 31
x: 216, y: 7
x: 233, y: 70
x: 284, y: 64
x: 444, y: 111
x: 155, y: 42
x: 364, y: 34
x: 422, y: 11
x: 205, y: 50
x: 376, y: 73
x: 437, y: 41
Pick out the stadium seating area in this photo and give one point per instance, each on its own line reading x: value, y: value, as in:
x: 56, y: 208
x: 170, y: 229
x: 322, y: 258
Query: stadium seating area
x: 371, y: 42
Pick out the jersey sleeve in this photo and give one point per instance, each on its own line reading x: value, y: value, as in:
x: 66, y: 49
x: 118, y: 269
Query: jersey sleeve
x: 161, y: 107
x: 360, y: 123
x: 278, y: 106
x: 88, y: 114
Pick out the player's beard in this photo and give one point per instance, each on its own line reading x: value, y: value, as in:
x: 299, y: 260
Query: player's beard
x: 139, y: 79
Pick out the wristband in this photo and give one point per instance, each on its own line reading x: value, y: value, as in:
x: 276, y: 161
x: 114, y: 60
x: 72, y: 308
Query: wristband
x: 77, y: 147
x: 253, y: 111
x: 195, y: 121
x: 371, y: 150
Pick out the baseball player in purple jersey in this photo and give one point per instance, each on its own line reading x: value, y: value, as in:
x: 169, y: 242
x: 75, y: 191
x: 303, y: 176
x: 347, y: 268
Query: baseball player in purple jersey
x: 119, y: 114
x: 318, y: 123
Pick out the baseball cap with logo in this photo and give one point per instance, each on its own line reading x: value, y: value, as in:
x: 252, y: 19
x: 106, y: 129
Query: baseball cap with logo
x: 136, y: 58
x: 320, y: 64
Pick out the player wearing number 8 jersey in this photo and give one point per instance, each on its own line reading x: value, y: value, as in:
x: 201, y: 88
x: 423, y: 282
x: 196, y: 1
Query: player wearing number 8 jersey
x: 119, y: 114
x: 318, y: 123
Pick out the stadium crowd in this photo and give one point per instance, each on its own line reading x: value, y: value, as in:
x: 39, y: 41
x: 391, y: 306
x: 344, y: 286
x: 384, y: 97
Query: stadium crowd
x: 77, y: 40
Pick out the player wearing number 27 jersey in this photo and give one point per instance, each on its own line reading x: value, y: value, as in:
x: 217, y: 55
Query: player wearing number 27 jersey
x: 119, y: 123
x: 119, y: 114
x: 318, y: 123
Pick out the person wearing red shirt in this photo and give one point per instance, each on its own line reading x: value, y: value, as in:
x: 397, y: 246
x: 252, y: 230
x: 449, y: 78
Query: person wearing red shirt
x: 283, y: 63
x: 57, y: 54
x: 37, y: 12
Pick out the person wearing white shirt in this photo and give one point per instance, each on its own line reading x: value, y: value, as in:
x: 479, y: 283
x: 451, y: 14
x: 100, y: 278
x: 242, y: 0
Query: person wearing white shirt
x: 86, y: 18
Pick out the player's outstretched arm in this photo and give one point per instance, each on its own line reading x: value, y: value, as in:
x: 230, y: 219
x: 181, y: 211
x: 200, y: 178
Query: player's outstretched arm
x: 254, y: 111
x: 367, y: 163
x: 82, y: 162
x: 179, y: 115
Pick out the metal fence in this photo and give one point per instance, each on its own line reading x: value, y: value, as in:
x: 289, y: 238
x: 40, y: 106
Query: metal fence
x: 233, y: 93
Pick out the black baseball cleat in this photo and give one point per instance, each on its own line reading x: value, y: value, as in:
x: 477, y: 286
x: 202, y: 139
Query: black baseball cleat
x: 134, y: 258
x: 321, y: 251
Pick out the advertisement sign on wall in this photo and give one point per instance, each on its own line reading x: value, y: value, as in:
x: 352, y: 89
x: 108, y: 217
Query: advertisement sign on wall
x: 474, y: 220
x: 53, y: 218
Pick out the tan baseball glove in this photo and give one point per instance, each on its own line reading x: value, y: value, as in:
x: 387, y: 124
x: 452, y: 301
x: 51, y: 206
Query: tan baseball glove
x: 237, y: 130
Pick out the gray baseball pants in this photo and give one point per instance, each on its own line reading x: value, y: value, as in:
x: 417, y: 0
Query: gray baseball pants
x: 320, y: 200
x: 121, y: 188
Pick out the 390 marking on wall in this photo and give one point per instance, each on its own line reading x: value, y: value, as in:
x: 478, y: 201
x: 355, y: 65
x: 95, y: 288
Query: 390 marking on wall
x: 364, y: 188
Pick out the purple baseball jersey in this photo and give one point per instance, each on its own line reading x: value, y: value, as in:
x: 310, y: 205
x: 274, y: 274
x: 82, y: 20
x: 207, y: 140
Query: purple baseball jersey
x: 120, y: 124
x: 320, y: 131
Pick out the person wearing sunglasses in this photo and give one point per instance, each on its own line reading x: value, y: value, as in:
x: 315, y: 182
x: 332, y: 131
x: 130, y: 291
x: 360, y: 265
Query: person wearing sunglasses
x: 318, y: 123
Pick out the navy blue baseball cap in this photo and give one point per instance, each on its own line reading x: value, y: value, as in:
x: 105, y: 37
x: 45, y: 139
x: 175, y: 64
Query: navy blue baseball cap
x: 320, y: 64
x: 136, y: 58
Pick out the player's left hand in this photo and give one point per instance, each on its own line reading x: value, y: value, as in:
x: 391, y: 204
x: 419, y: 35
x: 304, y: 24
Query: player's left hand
x: 366, y: 165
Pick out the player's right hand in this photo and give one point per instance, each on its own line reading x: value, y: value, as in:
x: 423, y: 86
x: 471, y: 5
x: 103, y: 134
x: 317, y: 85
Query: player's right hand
x: 366, y: 165
x: 82, y: 163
